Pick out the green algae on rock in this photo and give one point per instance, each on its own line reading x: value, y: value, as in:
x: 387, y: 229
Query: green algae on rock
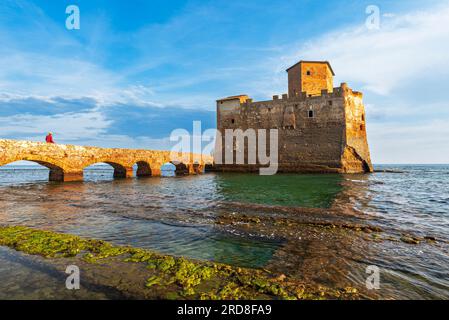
x: 177, y: 277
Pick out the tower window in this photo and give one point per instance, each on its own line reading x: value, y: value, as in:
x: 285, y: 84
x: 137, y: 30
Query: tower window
x: 363, y: 117
x: 311, y: 114
x: 232, y: 121
x: 330, y: 102
x: 308, y: 72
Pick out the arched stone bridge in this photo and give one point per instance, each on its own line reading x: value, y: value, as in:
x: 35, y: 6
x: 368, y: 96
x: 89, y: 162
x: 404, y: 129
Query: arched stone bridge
x: 66, y: 162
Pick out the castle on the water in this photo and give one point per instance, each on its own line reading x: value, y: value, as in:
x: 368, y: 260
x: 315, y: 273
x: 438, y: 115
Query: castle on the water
x: 320, y: 128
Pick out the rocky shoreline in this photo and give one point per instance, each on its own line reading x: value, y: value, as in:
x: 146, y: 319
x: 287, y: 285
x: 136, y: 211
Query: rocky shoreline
x: 144, y: 274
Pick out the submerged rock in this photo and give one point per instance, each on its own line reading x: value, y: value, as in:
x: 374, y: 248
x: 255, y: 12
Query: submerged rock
x: 410, y: 239
x: 166, y: 276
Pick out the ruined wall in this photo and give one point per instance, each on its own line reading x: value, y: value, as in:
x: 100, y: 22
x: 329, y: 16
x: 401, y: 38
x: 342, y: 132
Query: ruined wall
x: 66, y: 162
x: 333, y: 140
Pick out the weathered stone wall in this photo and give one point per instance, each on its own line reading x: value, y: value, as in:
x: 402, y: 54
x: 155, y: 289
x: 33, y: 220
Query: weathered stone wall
x: 309, y: 77
x: 294, y: 81
x: 66, y: 162
x: 357, y: 156
x: 332, y: 140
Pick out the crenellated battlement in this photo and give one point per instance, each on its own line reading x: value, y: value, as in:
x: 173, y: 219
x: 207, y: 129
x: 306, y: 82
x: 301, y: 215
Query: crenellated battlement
x: 337, y: 92
x: 321, y: 127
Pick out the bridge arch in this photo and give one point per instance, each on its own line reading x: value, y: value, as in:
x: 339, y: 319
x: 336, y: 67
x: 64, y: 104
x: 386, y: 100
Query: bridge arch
x: 66, y: 162
x: 56, y: 169
x: 167, y: 169
x: 56, y: 172
x: 181, y: 168
x: 143, y: 169
x: 120, y: 170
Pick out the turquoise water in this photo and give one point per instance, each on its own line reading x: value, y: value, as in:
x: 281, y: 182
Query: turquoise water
x: 308, y: 190
x: 178, y: 215
x: 140, y: 212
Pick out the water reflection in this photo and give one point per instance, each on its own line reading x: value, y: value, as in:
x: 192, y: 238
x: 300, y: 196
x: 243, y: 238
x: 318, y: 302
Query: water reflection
x: 168, y: 215
x: 179, y: 216
x: 308, y: 190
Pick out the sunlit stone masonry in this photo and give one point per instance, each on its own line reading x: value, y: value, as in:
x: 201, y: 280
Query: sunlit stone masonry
x: 320, y: 128
x: 66, y: 162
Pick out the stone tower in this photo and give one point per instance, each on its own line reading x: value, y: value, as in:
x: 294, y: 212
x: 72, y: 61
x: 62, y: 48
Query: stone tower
x: 320, y: 128
x: 310, y: 77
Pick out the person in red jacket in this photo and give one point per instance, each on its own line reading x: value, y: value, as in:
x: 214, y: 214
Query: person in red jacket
x: 49, y: 138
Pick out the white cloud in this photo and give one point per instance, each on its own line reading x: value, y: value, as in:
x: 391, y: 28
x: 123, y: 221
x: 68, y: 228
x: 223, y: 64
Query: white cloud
x: 388, y: 15
x: 402, y: 50
x: 40, y: 76
x: 386, y: 64
x: 26, y: 74
x: 413, y: 143
x: 88, y: 128
x: 396, y: 67
x: 67, y: 127
x: 40, y: 59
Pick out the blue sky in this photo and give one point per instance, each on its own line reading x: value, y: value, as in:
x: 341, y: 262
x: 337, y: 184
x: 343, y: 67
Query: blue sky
x: 136, y: 70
